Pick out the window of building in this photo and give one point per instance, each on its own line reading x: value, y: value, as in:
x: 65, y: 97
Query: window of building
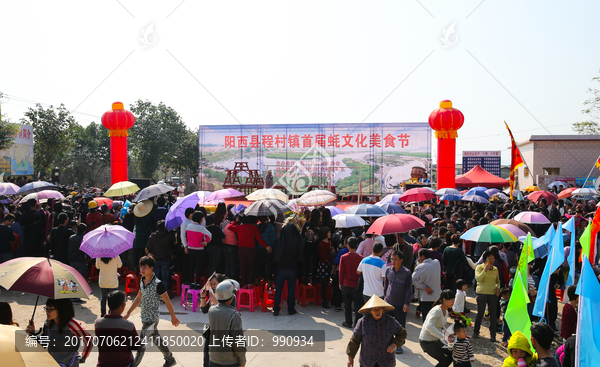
x: 551, y: 171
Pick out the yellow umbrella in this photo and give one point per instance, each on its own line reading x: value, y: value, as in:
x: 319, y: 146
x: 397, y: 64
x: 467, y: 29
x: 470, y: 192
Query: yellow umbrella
x: 531, y: 188
x: 15, y: 351
x: 121, y: 189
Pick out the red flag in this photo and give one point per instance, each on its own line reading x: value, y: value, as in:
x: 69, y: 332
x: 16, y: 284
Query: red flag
x: 515, y: 161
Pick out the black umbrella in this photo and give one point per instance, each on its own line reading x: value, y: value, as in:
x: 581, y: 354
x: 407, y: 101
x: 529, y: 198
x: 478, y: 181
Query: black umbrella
x: 152, y: 191
x: 267, y: 207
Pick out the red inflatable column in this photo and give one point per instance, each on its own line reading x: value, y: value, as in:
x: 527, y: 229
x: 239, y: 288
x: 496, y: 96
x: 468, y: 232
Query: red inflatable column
x: 117, y: 121
x: 446, y: 121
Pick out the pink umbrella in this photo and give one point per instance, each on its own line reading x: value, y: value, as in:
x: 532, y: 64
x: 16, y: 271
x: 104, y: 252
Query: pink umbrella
x: 396, y: 223
x: 45, y: 194
x: 532, y: 218
x: 7, y: 188
x: 417, y: 194
x: 518, y: 232
x: 223, y: 194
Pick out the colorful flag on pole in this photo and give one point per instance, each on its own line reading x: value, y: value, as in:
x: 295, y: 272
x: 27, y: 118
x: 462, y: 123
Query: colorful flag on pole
x: 516, y: 314
x: 587, y: 344
x: 570, y: 226
x: 516, y: 160
x: 585, y: 241
x: 555, y: 258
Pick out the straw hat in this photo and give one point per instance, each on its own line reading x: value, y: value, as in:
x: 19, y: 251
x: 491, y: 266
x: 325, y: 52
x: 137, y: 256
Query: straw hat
x: 375, y: 302
x: 142, y: 208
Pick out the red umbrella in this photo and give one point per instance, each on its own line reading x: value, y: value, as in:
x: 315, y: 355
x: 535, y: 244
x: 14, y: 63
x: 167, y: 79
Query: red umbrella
x: 566, y: 193
x: 417, y: 194
x: 537, y: 195
x: 395, y: 223
x: 102, y: 201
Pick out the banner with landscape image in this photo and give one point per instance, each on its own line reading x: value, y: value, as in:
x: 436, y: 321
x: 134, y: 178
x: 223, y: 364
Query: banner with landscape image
x: 376, y: 156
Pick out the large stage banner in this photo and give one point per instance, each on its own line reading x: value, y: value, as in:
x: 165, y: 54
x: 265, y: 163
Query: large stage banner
x: 377, y: 157
x: 18, y: 160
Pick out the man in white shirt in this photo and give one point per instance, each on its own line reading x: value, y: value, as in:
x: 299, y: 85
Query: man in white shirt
x: 183, y: 228
x: 373, y: 270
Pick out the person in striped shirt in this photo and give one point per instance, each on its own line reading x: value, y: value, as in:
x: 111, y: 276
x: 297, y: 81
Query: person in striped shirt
x: 60, y: 316
x: 462, y: 350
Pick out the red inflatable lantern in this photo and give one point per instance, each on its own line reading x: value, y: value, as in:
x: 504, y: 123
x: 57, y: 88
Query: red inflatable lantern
x: 446, y: 121
x: 117, y: 121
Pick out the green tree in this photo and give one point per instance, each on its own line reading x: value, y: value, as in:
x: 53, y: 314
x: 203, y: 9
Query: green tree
x: 592, y: 109
x: 7, y: 131
x: 53, y: 132
x: 90, y: 155
x: 156, y: 137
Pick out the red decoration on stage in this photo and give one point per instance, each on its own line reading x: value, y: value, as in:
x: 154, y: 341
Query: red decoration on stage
x: 117, y: 121
x: 446, y: 121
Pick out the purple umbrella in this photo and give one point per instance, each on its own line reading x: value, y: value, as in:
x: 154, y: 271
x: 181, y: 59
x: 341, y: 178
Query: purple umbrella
x: 224, y: 194
x: 531, y: 218
x: 334, y: 210
x: 492, y: 192
x: 176, y: 213
x: 476, y: 198
x: 394, y: 198
x: 107, y: 241
x: 7, y: 188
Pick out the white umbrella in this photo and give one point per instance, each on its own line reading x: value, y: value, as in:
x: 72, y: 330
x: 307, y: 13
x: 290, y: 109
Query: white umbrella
x: 316, y: 197
x: 557, y: 184
x: 584, y: 192
x: 268, y: 194
x: 348, y: 221
x: 447, y: 191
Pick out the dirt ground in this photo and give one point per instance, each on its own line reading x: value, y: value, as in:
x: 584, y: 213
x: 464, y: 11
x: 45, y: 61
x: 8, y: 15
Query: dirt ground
x: 486, y: 352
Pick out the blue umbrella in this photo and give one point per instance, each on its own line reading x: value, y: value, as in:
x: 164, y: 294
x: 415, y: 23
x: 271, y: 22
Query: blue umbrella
x: 475, y: 198
x: 391, y: 208
x: 36, y: 186
x: 366, y: 210
x: 451, y: 197
x: 480, y: 191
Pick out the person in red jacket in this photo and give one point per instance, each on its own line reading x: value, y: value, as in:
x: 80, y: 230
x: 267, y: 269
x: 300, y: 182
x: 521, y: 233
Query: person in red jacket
x: 94, y: 218
x: 349, y: 282
x: 248, y: 234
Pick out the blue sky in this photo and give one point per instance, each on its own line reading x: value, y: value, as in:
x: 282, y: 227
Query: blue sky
x: 529, y: 63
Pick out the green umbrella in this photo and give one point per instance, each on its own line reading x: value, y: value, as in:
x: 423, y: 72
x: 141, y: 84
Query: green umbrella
x: 489, y: 233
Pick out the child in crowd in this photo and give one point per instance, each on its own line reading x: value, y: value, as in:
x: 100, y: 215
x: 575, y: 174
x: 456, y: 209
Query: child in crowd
x: 504, y: 298
x: 462, y: 351
x: 458, y: 310
x: 519, y: 348
x: 151, y: 291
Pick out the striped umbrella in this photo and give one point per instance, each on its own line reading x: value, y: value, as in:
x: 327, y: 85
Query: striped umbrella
x: 267, y: 207
x: 489, y: 233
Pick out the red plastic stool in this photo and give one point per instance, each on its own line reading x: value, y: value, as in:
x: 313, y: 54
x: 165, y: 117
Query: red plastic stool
x: 95, y: 274
x: 176, y: 285
x: 308, y: 293
x: 248, y: 301
x: 268, y: 298
x: 132, y: 284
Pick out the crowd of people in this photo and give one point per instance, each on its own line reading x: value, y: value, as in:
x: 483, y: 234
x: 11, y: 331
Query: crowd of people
x: 373, y: 279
